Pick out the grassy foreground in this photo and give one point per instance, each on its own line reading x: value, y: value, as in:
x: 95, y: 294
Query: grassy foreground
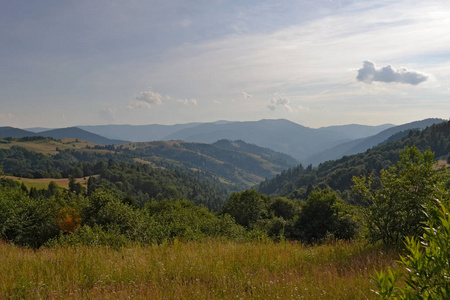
x: 208, y: 269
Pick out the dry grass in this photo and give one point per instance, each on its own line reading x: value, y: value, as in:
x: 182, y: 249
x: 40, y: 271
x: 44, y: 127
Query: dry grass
x: 49, y: 147
x: 42, y: 183
x: 209, y: 269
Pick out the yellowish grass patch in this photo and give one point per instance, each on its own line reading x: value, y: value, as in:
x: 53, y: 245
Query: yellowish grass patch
x: 208, y: 269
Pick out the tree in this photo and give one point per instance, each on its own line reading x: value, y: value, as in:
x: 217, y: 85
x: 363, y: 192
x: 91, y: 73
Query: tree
x: 52, y: 188
x: 323, y: 213
x: 246, y: 207
x: 76, y: 187
x: 283, y: 207
x: 396, y: 202
x: 427, y: 263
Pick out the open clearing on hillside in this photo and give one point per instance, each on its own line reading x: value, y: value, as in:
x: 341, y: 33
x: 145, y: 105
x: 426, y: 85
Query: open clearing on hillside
x: 50, y: 146
x: 206, y: 269
x: 42, y: 183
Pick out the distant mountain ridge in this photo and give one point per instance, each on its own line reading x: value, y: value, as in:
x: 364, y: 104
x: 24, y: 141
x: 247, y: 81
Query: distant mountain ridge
x: 75, y: 132
x: 8, y: 131
x: 361, y: 145
x: 356, y: 131
x: 279, y: 135
x: 70, y: 132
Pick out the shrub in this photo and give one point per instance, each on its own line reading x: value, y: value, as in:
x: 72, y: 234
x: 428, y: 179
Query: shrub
x: 321, y: 215
x: 427, y: 262
x: 395, y: 206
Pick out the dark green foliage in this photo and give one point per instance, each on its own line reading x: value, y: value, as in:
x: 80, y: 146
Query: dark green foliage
x: 283, y: 208
x: 396, y: 203
x: 143, y: 183
x: 31, y: 221
x: 90, y: 236
x: 75, y: 187
x: 246, y: 207
x: 242, y: 165
x: 279, y: 158
x: 21, y: 162
x: 183, y: 219
x: 323, y: 214
x: 106, y: 219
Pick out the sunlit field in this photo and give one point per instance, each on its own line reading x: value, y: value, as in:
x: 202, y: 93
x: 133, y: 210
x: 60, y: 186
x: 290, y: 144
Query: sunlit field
x: 42, y: 183
x: 207, y: 269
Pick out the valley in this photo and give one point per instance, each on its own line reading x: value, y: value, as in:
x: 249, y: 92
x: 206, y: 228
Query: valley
x: 185, y: 200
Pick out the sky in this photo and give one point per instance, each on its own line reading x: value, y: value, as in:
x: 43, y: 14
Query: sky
x: 317, y: 63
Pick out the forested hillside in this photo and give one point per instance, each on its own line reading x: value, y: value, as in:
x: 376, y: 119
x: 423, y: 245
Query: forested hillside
x: 203, y: 173
x: 240, y: 166
x: 362, y: 144
x: 338, y: 174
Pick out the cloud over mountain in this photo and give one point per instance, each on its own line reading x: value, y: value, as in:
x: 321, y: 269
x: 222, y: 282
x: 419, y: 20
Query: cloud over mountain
x: 280, y: 101
x: 369, y: 73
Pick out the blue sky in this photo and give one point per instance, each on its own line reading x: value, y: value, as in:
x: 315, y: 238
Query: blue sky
x: 317, y: 63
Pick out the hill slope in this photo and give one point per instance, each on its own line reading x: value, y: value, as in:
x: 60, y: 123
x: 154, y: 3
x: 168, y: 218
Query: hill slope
x: 338, y: 173
x: 137, y: 133
x: 77, y: 133
x: 241, y: 165
x: 237, y: 164
x: 14, y: 132
x: 361, y: 145
x: 355, y: 131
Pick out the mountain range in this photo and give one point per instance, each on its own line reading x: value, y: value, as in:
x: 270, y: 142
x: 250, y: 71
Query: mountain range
x: 280, y: 135
x: 307, y: 145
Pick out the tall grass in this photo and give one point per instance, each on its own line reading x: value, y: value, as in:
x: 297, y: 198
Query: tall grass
x: 207, y: 269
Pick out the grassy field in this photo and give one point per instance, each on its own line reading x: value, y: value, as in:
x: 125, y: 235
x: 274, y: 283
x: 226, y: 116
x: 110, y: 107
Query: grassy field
x: 42, y: 183
x: 49, y: 146
x: 208, y: 269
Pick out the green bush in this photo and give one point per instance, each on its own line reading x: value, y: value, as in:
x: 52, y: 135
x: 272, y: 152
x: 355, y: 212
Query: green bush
x: 184, y: 219
x: 427, y: 262
x: 246, y: 207
x: 323, y: 214
x: 395, y: 203
x: 90, y: 236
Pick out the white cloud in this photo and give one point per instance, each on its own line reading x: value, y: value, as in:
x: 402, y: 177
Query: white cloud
x: 280, y: 101
x: 188, y: 101
x: 369, y: 73
x: 246, y: 95
x: 146, y: 100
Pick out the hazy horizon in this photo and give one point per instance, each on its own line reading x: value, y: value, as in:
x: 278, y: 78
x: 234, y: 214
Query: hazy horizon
x: 315, y: 63
x: 82, y: 125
